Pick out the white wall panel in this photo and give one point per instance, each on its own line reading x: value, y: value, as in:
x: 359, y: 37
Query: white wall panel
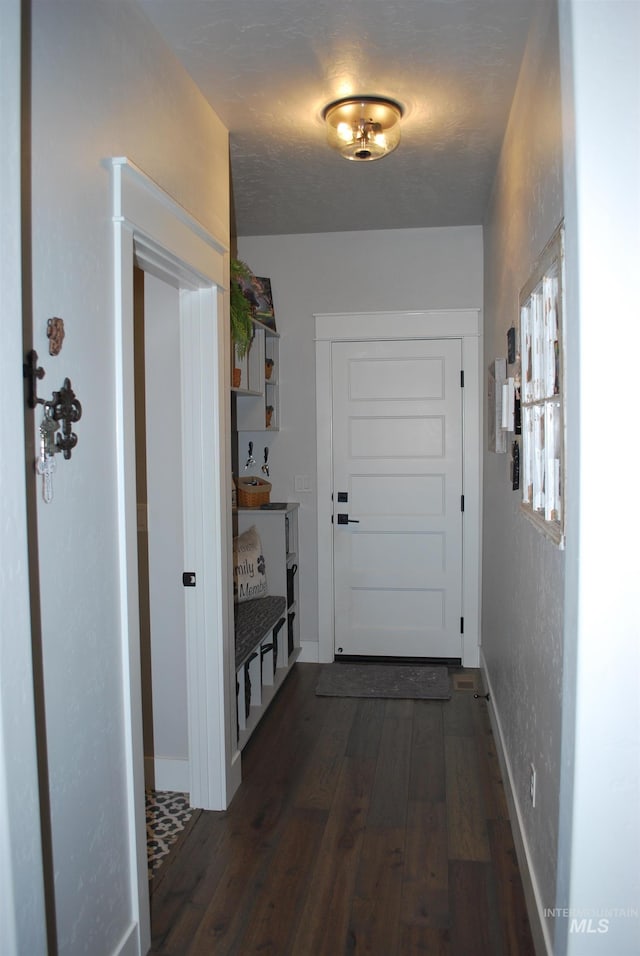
x: 103, y: 85
x: 523, y: 573
x: 22, y: 910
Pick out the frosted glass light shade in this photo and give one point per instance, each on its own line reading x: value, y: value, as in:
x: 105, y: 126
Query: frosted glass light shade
x: 363, y: 128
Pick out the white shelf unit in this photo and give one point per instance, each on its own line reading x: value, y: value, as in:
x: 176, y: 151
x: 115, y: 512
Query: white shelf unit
x: 257, y: 393
x: 264, y: 685
x: 278, y: 530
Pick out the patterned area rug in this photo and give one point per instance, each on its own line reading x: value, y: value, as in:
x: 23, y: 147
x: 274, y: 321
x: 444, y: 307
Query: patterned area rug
x: 402, y: 681
x: 167, y: 815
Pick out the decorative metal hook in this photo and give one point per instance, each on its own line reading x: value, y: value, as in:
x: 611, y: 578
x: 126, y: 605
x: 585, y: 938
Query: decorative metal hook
x: 66, y: 409
x: 63, y: 406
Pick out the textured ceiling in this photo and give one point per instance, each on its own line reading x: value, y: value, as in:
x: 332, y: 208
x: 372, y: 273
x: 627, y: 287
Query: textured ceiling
x: 268, y: 67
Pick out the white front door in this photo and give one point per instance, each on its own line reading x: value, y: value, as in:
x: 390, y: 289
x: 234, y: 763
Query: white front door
x: 397, y: 481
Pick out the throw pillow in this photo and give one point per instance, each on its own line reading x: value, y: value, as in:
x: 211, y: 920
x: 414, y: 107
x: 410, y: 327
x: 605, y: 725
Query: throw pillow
x: 249, y: 569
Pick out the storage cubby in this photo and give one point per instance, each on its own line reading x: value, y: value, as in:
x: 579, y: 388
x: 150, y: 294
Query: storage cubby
x: 264, y: 663
x: 259, y: 634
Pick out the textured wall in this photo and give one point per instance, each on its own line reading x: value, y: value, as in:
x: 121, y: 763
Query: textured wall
x: 411, y: 269
x: 523, y: 573
x: 103, y: 85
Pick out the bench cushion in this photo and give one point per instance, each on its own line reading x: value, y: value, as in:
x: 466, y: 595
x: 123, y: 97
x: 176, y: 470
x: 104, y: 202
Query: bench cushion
x: 253, y: 621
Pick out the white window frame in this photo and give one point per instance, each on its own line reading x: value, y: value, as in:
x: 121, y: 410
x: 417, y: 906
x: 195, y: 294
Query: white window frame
x: 542, y: 465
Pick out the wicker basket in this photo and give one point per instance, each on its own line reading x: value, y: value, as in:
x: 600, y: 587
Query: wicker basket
x: 253, y: 492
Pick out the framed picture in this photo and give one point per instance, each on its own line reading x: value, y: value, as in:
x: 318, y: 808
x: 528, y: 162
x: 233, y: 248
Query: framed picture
x: 258, y: 291
x: 264, y: 308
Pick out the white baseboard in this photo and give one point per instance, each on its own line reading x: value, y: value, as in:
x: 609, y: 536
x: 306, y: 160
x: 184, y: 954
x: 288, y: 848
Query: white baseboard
x: 309, y: 652
x: 165, y: 773
x: 539, y: 926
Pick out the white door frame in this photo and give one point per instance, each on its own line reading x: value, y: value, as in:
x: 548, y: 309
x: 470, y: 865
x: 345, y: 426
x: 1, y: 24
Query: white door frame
x: 463, y: 324
x: 153, y: 231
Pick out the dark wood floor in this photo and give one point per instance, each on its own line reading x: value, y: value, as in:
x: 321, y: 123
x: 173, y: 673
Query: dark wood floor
x: 361, y: 826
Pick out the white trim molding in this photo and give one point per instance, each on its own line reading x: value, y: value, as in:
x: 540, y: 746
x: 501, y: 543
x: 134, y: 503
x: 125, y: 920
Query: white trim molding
x: 463, y: 324
x: 153, y: 231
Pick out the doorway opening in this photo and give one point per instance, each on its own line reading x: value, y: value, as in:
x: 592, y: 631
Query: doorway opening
x: 160, y: 535
x: 160, y: 527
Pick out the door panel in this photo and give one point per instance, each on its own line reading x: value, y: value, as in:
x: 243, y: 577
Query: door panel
x: 397, y: 455
x: 407, y: 378
x: 397, y: 437
x: 385, y: 496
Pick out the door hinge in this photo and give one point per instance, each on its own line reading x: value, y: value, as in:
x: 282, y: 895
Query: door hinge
x: 462, y: 625
x: 461, y: 378
x: 461, y: 502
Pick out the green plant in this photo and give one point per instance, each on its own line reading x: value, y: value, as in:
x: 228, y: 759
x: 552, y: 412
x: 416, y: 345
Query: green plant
x: 240, y: 308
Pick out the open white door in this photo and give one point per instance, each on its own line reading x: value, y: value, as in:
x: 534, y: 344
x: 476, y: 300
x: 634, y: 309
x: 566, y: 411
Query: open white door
x: 397, y: 484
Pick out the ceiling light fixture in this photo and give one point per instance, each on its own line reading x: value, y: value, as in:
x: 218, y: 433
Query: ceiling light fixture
x: 363, y: 128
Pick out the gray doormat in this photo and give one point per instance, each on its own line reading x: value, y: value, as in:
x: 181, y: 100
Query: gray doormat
x: 384, y: 680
